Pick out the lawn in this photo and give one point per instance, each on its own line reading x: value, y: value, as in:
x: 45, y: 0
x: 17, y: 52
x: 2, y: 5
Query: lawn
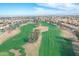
x: 66, y: 47
x: 6, y: 54
x: 18, y: 40
x: 52, y: 44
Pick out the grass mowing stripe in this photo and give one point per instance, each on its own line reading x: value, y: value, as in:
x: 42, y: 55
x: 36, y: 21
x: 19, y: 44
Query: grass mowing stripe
x: 56, y: 45
x: 49, y: 45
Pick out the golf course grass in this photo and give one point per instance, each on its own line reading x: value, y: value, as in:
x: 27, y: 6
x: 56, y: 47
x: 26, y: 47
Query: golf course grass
x: 66, y: 47
x: 18, y: 40
x: 6, y: 54
x: 52, y: 45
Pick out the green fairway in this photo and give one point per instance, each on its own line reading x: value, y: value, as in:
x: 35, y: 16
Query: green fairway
x: 18, y: 40
x: 66, y: 47
x: 51, y: 44
x: 6, y: 54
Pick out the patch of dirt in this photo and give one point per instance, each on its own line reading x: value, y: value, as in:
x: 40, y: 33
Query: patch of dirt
x: 42, y: 28
x: 16, y: 52
x: 66, y: 33
x: 8, y: 34
x: 32, y: 49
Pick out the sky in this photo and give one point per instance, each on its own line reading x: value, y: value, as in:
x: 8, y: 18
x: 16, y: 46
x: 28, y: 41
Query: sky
x: 30, y: 9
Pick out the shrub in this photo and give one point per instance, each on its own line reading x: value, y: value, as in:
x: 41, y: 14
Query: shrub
x: 22, y: 51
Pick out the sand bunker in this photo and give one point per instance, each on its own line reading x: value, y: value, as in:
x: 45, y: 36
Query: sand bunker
x: 42, y: 28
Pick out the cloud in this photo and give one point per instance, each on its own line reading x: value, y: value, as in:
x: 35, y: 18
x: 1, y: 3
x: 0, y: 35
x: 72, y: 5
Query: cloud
x: 57, y: 5
x: 62, y: 8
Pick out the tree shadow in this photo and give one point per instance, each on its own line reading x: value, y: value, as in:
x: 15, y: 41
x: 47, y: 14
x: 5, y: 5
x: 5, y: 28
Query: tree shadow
x: 66, y: 48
